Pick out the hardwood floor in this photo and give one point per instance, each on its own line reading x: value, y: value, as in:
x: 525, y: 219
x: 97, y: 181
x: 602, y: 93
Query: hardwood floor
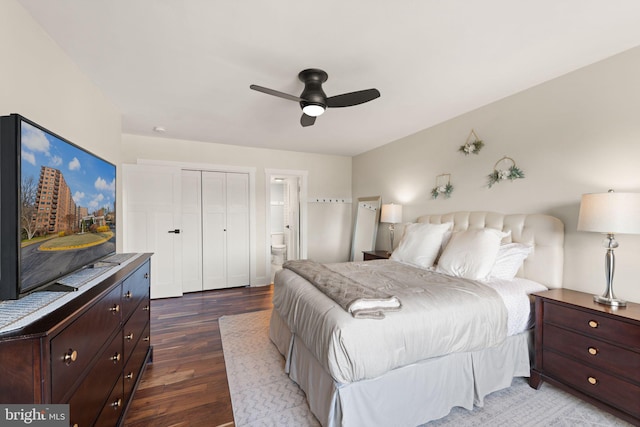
x: 186, y: 385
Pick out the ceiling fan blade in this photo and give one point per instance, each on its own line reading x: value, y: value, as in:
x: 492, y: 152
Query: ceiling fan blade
x: 307, y: 120
x: 352, y: 98
x: 276, y: 93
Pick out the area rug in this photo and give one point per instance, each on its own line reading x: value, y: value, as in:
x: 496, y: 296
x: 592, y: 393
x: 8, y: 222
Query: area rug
x: 263, y: 395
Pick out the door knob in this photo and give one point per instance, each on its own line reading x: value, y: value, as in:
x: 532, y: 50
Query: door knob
x: 176, y: 231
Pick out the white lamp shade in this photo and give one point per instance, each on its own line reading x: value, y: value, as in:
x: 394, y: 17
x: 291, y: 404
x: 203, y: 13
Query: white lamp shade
x: 391, y: 213
x: 615, y: 213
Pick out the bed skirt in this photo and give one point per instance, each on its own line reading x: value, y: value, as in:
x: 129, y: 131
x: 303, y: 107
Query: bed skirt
x: 407, y: 396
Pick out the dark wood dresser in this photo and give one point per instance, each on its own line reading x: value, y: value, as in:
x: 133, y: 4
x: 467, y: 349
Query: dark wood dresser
x: 590, y: 350
x: 89, y: 353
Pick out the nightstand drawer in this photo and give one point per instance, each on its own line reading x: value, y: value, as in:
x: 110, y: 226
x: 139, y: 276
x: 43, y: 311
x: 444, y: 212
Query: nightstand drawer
x: 591, y: 381
x: 599, y: 354
x: 592, y: 324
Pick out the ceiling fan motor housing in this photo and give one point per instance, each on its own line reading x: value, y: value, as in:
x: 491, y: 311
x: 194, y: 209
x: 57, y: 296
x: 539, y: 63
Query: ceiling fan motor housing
x: 313, y: 93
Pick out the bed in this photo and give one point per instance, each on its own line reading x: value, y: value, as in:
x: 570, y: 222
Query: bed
x: 450, y: 342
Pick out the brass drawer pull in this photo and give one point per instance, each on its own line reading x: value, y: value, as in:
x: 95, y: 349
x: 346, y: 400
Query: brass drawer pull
x: 145, y: 339
x: 592, y: 380
x: 117, y: 404
x: 593, y: 351
x: 593, y: 324
x: 145, y: 308
x: 70, y: 356
x: 146, y: 275
x: 115, y: 309
x: 129, y: 337
x: 116, y: 358
x: 129, y: 376
x: 128, y: 294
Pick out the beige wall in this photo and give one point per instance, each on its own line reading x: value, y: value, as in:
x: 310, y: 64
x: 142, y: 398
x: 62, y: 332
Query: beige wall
x: 576, y: 134
x: 41, y: 83
x: 329, y: 225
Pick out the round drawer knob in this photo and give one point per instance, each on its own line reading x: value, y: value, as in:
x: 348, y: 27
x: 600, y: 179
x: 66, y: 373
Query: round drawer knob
x: 593, y: 323
x: 145, y: 308
x: 146, y: 339
x: 129, y: 376
x: 116, y: 358
x: 116, y: 404
x: 146, y: 275
x: 128, y: 294
x: 129, y: 337
x: 115, y: 309
x: 593, y: 351
x: 70, y: 356
x: 592, y: 380
x: 76, y: 425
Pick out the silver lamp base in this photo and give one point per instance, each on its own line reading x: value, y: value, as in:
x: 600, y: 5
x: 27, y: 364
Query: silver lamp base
x: 609, y: 298
x: 614, y: 302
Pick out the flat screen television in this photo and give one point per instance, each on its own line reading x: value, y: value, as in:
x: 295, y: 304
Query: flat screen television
x: 57, y: 207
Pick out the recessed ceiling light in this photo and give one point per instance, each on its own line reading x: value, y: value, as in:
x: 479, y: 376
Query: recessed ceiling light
x: 159, y: 129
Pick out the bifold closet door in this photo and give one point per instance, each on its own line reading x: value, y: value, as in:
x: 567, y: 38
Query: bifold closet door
x: 191, y: 231
x: 225, y: 229
x: 237, y: 229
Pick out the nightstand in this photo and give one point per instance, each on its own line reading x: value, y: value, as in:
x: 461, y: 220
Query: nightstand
x: 589, y: 350
x: 369, y: 255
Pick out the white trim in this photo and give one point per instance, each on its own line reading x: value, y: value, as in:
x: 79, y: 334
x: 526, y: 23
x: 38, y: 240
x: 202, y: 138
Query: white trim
x: 303, y: 175
x: 252, y: 198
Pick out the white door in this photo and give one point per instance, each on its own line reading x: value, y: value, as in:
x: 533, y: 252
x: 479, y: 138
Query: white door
x: 191, y: 231
x: 151, y: 207
x: 214, y: 255
x: 237, y: 229
x: 292, y: 227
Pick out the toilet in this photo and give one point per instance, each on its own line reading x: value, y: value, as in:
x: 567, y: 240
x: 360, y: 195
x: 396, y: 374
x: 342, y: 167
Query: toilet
x: 278, y: 248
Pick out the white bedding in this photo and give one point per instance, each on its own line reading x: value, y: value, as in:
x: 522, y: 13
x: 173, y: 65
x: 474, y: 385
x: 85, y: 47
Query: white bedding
x: 428, y: 325
x: 515, y: 295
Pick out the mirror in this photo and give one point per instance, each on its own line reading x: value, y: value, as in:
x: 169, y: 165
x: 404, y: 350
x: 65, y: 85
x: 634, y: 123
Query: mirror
x: 365, y: 226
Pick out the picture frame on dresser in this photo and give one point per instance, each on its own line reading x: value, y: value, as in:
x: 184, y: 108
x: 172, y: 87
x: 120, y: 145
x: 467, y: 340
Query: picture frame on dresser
x: 589, y: 350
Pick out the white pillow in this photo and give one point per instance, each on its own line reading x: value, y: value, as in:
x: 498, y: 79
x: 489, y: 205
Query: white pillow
x: 420, y: 244
x: 509, y: 260
x: 471, y: 253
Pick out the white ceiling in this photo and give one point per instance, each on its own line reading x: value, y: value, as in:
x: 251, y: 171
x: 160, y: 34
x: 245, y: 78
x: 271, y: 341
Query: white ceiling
x: 186, y: 65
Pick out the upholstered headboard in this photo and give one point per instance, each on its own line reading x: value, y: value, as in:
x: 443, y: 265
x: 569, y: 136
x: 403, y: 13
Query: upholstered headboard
x: 545, y: 233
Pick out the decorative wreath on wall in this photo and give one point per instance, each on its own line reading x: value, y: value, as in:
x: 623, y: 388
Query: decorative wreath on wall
x: 472, y: 146
x: 443, y: 186
x: 504, y: 169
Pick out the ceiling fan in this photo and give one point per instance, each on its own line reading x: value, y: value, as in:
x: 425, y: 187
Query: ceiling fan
x: 314, y: 101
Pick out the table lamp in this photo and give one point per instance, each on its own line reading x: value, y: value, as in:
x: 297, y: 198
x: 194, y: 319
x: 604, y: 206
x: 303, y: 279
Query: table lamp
x: 391, y: 214
x: 610, y: 213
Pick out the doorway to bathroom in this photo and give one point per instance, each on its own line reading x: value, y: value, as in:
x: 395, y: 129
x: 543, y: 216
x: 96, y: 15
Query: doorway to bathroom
x: 286, y: 217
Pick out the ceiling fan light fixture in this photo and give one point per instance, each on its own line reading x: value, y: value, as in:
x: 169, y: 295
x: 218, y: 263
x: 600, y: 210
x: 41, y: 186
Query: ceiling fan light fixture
x: 313, y: 110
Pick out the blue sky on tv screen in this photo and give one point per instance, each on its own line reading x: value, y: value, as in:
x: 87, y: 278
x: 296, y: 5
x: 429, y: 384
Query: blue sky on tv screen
x: 91, y: 180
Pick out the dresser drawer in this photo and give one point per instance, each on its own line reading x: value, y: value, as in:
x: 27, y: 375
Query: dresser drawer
x: 92, y: 393
x: 134, y: 328
x: 134, y: 289
x: 134, y: 366
x: 112, y: 409
x: 595, y: 325
x: 606, y: 388
x: 77, y: 345
x: 599, y: 354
